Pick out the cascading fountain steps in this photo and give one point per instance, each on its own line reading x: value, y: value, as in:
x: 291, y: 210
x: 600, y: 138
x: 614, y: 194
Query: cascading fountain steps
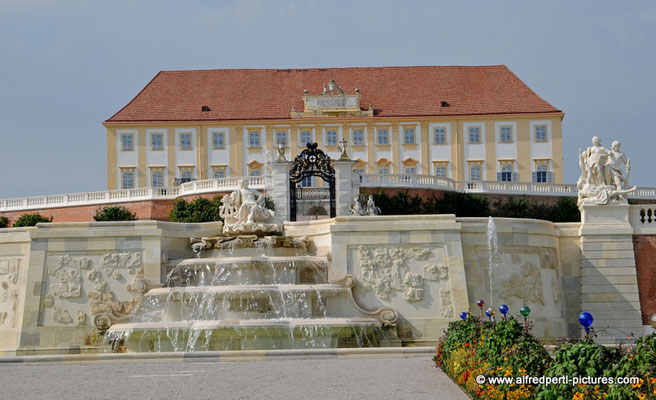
x: 250, y: 292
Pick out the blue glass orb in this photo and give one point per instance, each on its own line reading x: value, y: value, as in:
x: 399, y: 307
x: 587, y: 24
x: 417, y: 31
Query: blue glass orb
x: 585, y: 319
x: 487, y: 312
x: 503, y: 309
x: 463, y: 315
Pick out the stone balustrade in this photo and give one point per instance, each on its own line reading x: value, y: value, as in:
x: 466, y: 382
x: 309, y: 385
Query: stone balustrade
x: 365, y: 180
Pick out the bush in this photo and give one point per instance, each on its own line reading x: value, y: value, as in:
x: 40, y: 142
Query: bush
x: 4, y: 222
x: 114, y: 213
x: 399, y: 204
x: 640, y: 361
x: 199, y: 210
x: 31, y: 220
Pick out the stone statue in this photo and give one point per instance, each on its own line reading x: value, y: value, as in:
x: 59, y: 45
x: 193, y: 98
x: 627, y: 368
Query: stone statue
x: 282, y: 148
x: 371, y: 207
x: 356, y: 207
x: 602, y: 179
x: 342, y: 147
x: 243, y: 212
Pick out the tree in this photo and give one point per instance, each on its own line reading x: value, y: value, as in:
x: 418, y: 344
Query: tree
x: 31, y: 220
x: 114, y: 213
x: 4, y: 222
x: 198, y: 210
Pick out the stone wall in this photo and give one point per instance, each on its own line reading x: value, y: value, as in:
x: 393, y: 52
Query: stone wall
x: 645, y: 259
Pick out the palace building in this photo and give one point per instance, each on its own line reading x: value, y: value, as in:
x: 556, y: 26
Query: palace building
x: 464, y: 123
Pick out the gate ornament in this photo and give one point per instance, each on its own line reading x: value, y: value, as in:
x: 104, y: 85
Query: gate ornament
x: 311, y: 162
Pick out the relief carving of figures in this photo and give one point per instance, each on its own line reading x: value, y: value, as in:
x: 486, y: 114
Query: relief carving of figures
x: 525, y: 285
x: 603, y: 178
x: 414, y: 290
x: 385, y: 269
x: 130, y: 260
x: 105, y: 303
x: 243, y: 211
x: 70, y: 283
x: 10, y: 267
x: 62, y: 316
x: 9, y: 273
x: 447, y: 304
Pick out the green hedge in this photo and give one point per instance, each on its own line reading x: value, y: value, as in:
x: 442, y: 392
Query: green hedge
x: 4, y: 222
x: 114, y: 213
x: 471, y: 205
x: 31, y: 220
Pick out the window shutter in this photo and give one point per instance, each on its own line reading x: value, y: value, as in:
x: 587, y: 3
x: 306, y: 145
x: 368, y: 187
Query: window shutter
x: 514, y: 176
x: 550, y: 177
x: 534, y: 176
x: 499, y: 176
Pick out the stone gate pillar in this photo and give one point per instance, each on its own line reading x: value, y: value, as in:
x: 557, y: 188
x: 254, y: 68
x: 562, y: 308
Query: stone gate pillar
x: 279, y: 189
x: 609, y: 285
x: 343, y: 186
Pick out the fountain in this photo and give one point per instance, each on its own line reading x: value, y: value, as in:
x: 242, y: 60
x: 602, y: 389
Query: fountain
x: 493, y: 244
x: 250, y: 288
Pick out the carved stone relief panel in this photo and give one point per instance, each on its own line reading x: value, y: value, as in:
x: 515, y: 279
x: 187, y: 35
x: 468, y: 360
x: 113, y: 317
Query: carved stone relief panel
x: 82, y: 285
x: 404, y: 270
x: 9, y: 290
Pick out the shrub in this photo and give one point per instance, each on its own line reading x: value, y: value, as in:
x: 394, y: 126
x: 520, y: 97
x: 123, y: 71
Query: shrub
x: 640, y: 361
x: 460, y: 204
x: 268, y: 204
x: 399, y: 204
x: 31, y: 220
x: 4, y: 222
x: 114, y: 213
x: 198, y: 210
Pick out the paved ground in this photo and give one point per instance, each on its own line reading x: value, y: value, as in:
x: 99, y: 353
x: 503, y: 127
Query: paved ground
x: 307, y: 379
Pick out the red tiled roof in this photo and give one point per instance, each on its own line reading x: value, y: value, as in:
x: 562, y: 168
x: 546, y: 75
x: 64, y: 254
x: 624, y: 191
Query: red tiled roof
x: 252, y: 94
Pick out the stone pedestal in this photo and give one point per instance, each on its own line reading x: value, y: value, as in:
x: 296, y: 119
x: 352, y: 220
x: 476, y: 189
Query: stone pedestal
x: 343, y: 186
x: 279, y: 192
x: 609, y: 285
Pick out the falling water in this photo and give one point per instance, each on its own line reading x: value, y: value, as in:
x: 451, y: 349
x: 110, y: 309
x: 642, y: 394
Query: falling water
x: 493, y: 246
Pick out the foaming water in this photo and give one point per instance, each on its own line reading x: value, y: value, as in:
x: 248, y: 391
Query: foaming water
x: 242, y: 302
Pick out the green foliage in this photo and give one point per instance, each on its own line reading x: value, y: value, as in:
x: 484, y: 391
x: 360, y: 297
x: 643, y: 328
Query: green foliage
x: 114, y: 213
x: 199, y: 210
x: 4, y: 222
x: 31, y: 220
x: 578, y: 360
x: 399, y: 204
x: 471, y: 205
x: 268, y: 204
x: 640, y: 361
x: 459, y: 333
x: 497, y: 340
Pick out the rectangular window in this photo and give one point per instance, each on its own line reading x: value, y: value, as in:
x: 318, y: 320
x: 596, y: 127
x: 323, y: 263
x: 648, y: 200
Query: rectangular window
x: 441, y: 169
x: 157, y: 178
x: 383, y: 171
x: 358, y: 137
x: 383, y: 137
x: 410, y: 170
x: 439, y: 136
x: 306, y: 137
x: 127, y: 179
x: 474, y: 134
x: 475, y: 172
x: 186, y: 176
x: 409, y: 136
x: 506, y: 173
x: 505, y: 134
x: 540, y: 133
x: 218, y: 140
x: 306, y: 182
x: 331, y: 138
x: 281, y: 137
x: 185, y: 141
x: 218, y: 172
x: 156, y: 141
x: 254, y: 139
x: 127, y: 144
x: 254, y: 172
x: 358, y: 171
x: 541, y: 173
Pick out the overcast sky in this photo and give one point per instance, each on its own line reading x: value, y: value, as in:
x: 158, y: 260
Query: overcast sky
x: 66, y: 66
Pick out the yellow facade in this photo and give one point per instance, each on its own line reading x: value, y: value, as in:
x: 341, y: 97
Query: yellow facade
x: 457, y: 152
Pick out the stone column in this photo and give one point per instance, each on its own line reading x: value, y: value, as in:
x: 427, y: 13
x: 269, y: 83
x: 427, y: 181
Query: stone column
x: 343, y: 186
x: 609, y: 285
x: 279, y: 192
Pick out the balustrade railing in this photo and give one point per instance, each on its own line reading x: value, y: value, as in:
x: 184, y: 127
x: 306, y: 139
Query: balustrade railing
x: 259, y: 182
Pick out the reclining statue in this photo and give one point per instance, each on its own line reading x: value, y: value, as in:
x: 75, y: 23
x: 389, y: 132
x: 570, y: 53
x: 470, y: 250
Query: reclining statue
x: 243, y: 212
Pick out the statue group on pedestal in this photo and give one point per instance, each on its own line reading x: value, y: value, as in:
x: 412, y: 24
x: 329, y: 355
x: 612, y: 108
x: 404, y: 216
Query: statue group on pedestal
x: 603, y: 178
x: 243, y: 212
x: 369, y: 209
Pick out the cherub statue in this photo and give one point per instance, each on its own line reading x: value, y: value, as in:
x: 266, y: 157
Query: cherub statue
x: 243, y: 211
x: 371, y: 207
x: 356, y: 207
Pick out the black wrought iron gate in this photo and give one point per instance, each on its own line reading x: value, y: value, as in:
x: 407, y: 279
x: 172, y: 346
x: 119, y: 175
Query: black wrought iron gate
x: 311, y: 162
